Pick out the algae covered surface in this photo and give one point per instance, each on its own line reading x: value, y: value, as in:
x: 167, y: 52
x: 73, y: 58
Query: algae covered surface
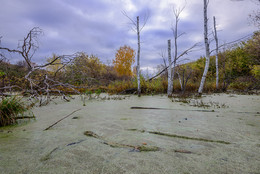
x: 112, y: 136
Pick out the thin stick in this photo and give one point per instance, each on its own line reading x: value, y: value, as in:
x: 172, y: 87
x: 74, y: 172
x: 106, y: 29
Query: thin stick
x: 61, y: 119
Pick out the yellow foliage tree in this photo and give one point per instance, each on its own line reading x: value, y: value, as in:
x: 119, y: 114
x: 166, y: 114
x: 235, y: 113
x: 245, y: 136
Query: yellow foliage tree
x: 56, y: 65
x: 124, y: 59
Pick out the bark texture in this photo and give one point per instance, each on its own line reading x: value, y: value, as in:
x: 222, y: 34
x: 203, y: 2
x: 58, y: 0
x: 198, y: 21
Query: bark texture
x: 138, y: 58
x: 216, y: 39
x: 206, y: 41
x: 170, y: 79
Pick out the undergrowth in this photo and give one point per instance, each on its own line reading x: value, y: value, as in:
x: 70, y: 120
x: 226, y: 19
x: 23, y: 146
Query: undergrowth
x: 11, y: 108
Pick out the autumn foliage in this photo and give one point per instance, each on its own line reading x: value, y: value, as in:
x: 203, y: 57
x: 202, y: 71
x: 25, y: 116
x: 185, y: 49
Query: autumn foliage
x: 124, y: 59
x: 239, y: 68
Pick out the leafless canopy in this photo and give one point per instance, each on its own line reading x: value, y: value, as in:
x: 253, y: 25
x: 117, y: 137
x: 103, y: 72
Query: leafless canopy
x: 176, y: 13
x: 39, y: 89
x: 28, y: 46
x: 189, y: 50
x: 134, y: 22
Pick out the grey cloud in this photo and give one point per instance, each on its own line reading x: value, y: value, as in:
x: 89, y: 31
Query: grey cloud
x: 99, y: 27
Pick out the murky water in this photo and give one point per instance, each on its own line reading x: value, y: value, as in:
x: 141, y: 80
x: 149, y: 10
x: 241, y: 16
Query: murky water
x: 64, y: 148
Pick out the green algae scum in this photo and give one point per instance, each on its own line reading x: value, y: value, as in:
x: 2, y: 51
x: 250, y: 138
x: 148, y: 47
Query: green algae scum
x: 151, y: 134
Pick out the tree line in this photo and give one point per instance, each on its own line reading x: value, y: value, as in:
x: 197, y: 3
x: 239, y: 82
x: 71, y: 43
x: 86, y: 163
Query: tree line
x: 234, y: 67
x: 239, y: 69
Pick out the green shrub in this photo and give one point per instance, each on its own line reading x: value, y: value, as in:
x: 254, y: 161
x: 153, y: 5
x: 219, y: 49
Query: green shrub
x: 10, y: 108
x: 98, y: 92
x: 88, y: 92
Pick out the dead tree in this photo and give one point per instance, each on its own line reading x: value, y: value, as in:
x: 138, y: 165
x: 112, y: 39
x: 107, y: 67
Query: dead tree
x: 206, y: 41
x: 2, y: 56
x: 138, y: 30
x: 184, y: 76
x: 28, y: 46
x: 176, y: 35
x: 170, y: 79
x: 216, y: 39
x: 138, y: 57
x: 39, y: 89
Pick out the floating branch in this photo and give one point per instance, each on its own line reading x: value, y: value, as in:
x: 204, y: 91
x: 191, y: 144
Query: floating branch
x: 180, y: 136
x: 137, y: 107
x: 61, y: 119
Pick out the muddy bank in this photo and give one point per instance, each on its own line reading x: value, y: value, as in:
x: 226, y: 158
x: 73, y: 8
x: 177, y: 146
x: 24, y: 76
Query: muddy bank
x: 182, y: 137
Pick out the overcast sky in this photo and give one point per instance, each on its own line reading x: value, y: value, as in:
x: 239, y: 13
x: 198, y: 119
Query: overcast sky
x: 98, y: 26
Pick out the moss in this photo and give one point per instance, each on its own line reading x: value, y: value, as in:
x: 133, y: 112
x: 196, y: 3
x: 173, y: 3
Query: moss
x: 125, y: 118
x: 251, y: 124
x: 118, y: 145
x: 132, y: 129
x: 144, y: 148
x: 91, y: 134
x: 4, y: 135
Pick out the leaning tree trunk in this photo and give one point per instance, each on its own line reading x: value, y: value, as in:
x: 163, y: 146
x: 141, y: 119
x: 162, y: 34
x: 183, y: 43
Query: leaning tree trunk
x: 206, y: 48
x: 216, y: 39
x: 138, y: 58
x: 170, y: 80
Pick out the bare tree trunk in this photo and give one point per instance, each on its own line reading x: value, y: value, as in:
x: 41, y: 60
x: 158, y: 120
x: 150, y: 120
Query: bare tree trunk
x: 47, y: 89
x: 170, y: 80
x: 138, y: 30
x: 138, y: 58
x: 175, y: 32
x: 216, y: 39
x: 206, y: 47
x: 179, y: 79
x: 165, y: 65
x: 186, y: 81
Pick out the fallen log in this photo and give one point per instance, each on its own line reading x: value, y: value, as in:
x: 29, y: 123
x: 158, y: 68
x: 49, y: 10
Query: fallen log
x: 182, y: 151
x: 137, y: 107
x: 61, y: 119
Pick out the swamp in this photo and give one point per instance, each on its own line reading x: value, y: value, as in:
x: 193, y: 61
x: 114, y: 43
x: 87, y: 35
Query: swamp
x: 130, y: 134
